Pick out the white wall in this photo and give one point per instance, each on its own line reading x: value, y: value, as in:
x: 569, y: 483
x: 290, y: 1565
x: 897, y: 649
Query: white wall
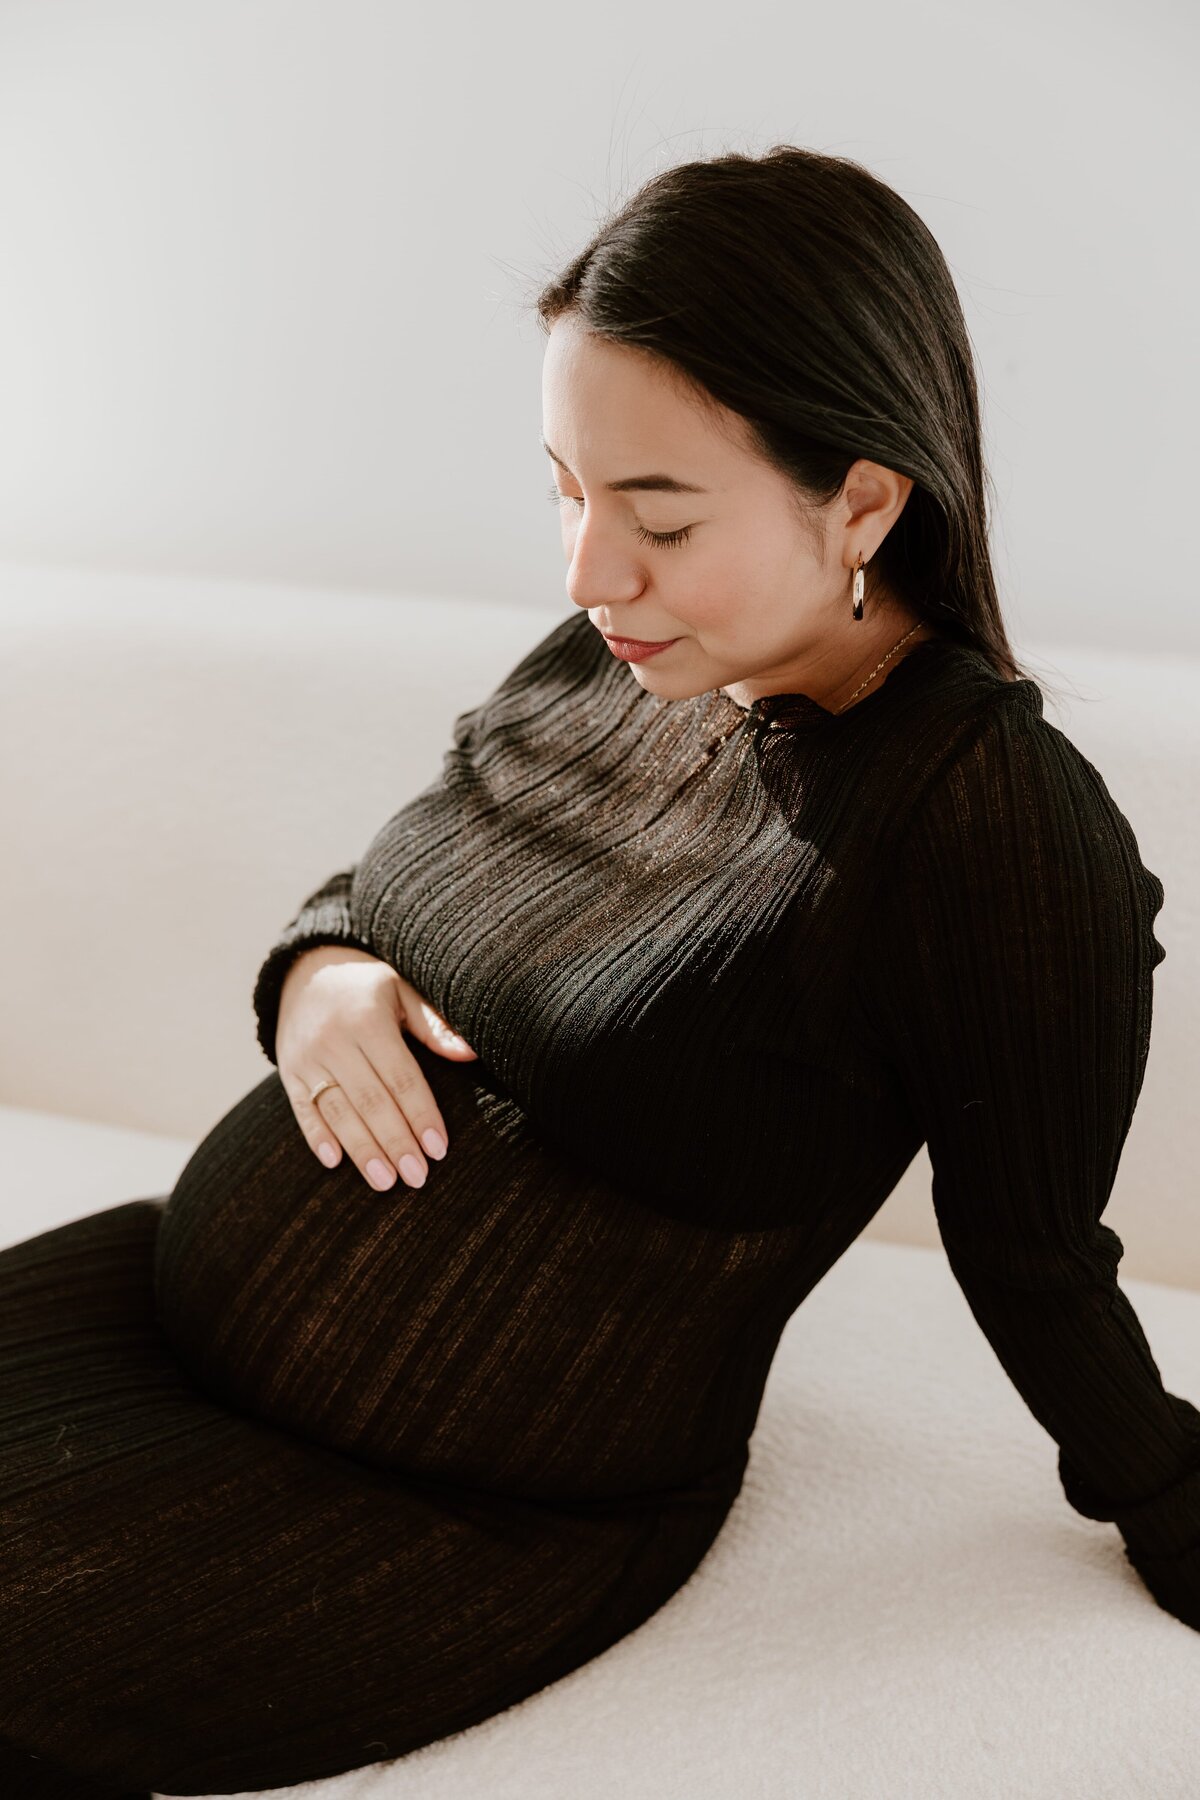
x: 266, y: 263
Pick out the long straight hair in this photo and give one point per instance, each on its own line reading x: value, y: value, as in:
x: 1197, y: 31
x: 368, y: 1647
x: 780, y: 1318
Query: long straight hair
x: 803, y: 294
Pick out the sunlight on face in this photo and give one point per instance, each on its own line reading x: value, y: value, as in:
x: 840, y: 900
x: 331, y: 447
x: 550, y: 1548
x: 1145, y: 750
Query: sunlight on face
x: 756, y: 602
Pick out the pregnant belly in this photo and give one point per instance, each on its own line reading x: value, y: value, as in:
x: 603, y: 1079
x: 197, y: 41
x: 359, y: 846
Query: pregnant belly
x: 515, y: 1324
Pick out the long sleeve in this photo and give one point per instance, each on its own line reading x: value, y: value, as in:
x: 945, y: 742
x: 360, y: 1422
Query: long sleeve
x: 324, y: 918
x: 1009, y: 985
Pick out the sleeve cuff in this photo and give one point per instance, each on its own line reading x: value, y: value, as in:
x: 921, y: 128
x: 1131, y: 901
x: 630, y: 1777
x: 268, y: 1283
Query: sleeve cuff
x: 1174, y: 1581
x: 1162, y: 1532
x: 325, y: 925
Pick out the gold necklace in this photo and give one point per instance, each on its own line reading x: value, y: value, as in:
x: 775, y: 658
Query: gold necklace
x: 878, y: 666
x: 716, y: 743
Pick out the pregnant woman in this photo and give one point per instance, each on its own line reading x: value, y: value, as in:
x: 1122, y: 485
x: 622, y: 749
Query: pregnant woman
x: 436, y: 1373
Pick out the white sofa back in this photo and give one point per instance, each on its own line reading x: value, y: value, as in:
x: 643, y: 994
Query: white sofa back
x: 185, y: 760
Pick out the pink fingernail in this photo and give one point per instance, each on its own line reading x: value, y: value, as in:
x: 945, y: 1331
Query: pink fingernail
x: 434, y: 1142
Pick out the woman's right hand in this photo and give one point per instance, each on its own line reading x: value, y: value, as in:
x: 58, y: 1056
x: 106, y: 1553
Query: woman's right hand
x: 342, y: 1016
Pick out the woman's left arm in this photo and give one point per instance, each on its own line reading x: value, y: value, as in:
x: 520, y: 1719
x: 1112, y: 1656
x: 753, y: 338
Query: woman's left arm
x: 1009, y: 984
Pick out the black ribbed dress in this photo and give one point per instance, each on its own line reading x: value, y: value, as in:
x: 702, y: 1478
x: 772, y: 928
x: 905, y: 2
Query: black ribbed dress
x: 296, y: 1476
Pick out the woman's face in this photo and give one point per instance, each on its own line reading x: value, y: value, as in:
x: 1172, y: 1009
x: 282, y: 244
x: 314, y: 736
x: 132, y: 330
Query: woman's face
x: 754, y: 604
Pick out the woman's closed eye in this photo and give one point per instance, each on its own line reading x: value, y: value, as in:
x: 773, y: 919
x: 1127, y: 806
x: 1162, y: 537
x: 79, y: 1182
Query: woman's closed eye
x: 663, y: 539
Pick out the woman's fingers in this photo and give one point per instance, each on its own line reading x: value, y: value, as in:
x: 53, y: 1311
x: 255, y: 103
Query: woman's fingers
x: 344, y: 1021
x: 386, y: 1123
x: 398, y: 1109
x: 321, y: 1140
x: 343, y: 1119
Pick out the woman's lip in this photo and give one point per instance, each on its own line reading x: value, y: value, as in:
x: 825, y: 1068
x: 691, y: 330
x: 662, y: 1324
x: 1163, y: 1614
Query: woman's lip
x: 635, y: 649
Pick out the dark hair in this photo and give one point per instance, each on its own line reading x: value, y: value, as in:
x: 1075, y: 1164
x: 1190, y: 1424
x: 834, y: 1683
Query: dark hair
x: 802, y: 293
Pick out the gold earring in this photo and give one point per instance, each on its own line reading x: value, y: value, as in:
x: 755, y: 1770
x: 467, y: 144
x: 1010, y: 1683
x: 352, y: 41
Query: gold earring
x: 859, y: 582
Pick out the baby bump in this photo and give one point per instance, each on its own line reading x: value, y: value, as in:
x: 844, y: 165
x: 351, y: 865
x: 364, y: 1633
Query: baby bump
x: 515, y: 1324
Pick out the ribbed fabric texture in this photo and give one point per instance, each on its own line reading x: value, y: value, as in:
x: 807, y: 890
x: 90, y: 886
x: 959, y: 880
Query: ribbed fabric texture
x: 297, y: 1476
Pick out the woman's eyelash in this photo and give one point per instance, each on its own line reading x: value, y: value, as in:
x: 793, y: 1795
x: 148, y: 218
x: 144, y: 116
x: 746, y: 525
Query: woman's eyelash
x: 665, y: 540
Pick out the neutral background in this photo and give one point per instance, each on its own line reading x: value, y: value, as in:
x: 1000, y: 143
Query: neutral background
x: 267, y: 267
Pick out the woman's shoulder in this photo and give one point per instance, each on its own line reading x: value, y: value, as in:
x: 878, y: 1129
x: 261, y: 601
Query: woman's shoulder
x: 1006, y: 764
x: 1013, y: 867
x: 1017, y: 802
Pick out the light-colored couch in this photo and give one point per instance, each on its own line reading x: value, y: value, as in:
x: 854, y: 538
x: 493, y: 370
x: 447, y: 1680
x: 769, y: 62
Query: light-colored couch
x: 901, y: 1604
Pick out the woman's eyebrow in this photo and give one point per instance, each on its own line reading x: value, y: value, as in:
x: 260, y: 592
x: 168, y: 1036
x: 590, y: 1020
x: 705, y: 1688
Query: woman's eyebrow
x: 655, y: 484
